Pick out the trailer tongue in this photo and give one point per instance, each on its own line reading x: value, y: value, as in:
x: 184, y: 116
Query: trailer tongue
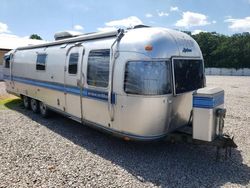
x: 207, y: 119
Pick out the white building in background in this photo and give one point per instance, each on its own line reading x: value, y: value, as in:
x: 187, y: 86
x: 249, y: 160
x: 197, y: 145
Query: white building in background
x: 9, y: 42
x: 228, y: 71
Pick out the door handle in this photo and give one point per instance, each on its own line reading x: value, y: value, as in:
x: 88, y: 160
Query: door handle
x: 79, y: 82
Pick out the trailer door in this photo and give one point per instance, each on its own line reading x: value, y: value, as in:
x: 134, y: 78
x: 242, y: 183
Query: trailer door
x: 95, y: 92
x: 72, y: 82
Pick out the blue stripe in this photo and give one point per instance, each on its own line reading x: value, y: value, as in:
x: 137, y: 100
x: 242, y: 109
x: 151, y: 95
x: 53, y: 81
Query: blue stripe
x: 6, y: 77
x: 95, y: 94
x: 89, y: 93
x: 208, y: 102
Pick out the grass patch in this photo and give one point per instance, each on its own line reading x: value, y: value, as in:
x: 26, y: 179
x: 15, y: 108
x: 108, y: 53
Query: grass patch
x: 9, y: 103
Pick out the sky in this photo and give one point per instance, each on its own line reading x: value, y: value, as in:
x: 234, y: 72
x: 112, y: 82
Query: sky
x: 22, y: 18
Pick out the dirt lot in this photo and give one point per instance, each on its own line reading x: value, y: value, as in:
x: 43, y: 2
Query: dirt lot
x: 58, y: 152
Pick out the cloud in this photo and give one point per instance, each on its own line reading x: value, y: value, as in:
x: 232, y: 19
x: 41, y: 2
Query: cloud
x: 174, y: 9
x: 190, y: 19
x: 214, y: 22
x: 228, y: 17
x: 239, y: 25
x: 126, y: 22
x: 12, y: 36
x: 106, y: 29
x: 161, y: 13
x: 9, y: 35
x: 197, y: 31
x: 9, y: 41
x: 4, y: 28
x: 148, y: 15
x: 78, y: 27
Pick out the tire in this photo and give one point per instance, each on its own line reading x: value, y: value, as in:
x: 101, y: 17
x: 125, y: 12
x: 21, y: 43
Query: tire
x: 44, y: 111
x: 34, y: 104
x: 26, y: 102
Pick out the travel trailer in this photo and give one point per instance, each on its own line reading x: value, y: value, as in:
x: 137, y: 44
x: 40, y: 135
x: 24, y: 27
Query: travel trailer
x: 141, y: 83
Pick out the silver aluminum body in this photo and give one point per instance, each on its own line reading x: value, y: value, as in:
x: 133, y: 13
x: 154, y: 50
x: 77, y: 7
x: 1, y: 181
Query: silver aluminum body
x: 135, y: 116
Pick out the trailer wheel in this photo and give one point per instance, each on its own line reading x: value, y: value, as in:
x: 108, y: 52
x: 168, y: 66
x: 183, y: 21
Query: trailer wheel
x: 34, y: 105
x: 26, y: 102
x: 43, y: 109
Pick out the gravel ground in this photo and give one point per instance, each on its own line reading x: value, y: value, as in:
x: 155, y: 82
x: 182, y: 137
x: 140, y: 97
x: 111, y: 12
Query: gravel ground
x: 58, y: 152
x: 3, y: 94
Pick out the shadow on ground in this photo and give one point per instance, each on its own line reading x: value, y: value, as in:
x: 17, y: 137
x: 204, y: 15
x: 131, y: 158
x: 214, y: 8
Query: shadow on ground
x: 166, y: 165
x: 9, y: 103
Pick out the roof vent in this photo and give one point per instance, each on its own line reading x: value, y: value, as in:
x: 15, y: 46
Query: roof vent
x: 66, y: 34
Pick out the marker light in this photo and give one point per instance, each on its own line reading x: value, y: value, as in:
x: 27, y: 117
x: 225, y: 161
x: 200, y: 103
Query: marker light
x: 149, y: 48
x: 126, y: 138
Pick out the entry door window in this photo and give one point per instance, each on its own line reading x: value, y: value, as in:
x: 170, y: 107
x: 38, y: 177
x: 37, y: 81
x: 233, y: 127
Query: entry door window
x: 73, y: 63
x: 98, y: 68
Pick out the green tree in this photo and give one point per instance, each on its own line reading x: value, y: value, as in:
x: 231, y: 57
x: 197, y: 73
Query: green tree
x: 225, y: 51
x: 35, y: 36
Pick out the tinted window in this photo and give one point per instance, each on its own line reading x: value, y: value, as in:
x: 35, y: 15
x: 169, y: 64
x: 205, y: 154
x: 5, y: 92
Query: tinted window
x: 98, y: 68
x: 189, y: 75
x: 73, y: 62
x: 7, y: 61
x: 147, y: 78
x: 40, y: 61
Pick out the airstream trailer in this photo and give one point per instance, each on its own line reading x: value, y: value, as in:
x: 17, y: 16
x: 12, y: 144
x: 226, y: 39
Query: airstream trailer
x: 136, y: 83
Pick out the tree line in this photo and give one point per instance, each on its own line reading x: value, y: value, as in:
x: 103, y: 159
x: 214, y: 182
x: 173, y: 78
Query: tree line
x: 223, y: 51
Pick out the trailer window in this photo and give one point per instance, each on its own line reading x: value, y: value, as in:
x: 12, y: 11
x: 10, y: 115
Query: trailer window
x: 147, y: 78
x: 189, y: 75
x: 98, y: 68
x: 7, y: 61
x: 40, y: 61
x: 73, y: 62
